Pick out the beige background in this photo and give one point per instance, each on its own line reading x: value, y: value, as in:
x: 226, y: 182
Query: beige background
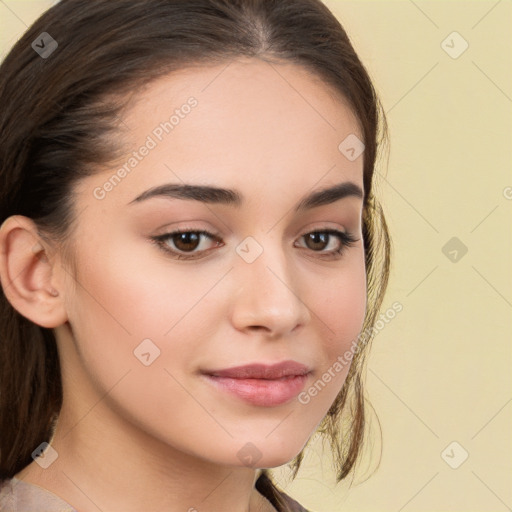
x: 440, y: 371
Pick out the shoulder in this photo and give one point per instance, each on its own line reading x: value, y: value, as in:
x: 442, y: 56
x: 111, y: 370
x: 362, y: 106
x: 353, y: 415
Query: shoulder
x: 293, y: 505
x: 277, y: 497
x: 19, y: 496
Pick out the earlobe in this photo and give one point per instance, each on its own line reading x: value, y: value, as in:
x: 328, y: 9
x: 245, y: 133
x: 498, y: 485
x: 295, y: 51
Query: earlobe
x: 26, y: 273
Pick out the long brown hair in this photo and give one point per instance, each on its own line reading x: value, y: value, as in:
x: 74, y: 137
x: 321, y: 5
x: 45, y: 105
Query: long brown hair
x: 57, y: 116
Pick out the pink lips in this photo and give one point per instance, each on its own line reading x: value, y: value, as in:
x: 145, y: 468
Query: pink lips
x: 261, y: 384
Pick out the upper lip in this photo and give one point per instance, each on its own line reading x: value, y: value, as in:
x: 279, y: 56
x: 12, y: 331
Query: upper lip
x: 261, y: 371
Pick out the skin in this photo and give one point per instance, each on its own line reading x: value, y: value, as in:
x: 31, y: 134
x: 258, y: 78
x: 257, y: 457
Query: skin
x: 271, y: 132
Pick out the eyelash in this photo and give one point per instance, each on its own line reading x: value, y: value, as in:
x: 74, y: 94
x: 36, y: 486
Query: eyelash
x: 346, y: 239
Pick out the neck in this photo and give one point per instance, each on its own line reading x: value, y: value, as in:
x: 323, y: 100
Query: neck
x: 129, y: 471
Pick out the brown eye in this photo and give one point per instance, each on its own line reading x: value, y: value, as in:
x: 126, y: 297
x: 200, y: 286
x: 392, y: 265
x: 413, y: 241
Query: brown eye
x: 186, y: 241
x: 184, y: 244
x: 317, y: 241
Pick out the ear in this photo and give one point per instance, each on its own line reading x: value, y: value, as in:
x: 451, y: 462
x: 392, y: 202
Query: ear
x: 26, y: 273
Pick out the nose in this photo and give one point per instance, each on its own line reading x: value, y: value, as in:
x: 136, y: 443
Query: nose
x: 268, y: 295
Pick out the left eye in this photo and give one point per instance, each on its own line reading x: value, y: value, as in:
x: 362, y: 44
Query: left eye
x: 186, y: 242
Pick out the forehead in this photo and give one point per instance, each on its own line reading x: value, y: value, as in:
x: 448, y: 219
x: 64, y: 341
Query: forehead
x: 244, y: 124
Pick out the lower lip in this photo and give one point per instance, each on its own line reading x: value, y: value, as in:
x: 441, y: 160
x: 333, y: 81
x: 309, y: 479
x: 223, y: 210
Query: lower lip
x: 262, y: 392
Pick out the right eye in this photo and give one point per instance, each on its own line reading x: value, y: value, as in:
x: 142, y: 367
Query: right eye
x: 186, y: 241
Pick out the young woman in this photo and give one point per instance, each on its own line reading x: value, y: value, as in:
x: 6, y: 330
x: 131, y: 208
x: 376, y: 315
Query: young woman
x: 191, y: 253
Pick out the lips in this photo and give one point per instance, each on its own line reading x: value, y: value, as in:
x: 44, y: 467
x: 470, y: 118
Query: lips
x: 261, y: 384
x: 262, y: 371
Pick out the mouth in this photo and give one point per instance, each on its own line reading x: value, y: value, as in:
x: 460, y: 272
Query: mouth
x: 261, y: 384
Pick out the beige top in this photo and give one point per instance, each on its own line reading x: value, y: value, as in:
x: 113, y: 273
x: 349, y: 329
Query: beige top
x: 19, y: 496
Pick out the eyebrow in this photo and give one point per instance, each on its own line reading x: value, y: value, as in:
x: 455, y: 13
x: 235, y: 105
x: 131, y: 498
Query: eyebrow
x: 230, y: 197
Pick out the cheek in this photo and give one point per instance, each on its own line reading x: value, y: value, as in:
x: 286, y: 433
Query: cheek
x: 119, y: 305
x: 342, y: 307
x: 120, y: 302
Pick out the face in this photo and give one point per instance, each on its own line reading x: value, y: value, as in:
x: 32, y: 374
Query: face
x: 160, y: 319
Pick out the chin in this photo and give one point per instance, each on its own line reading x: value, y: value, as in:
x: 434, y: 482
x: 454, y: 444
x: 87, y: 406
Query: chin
x: 263, y: 453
